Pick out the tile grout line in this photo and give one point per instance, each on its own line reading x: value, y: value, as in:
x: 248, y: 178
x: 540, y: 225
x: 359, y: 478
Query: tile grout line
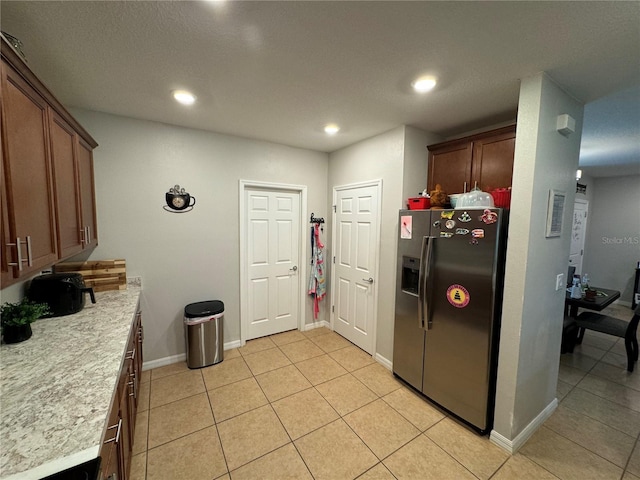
x: 598, y: 420
x: 286, y: 431
x: 588, y: 448
x: 340, y: 417
x: 270, y: 403
x: 538, y: 464
x: 442, y: 448
x: 626, y: 466
x: 576, y: 386
x: 215, y: 424
x: 146, y: 450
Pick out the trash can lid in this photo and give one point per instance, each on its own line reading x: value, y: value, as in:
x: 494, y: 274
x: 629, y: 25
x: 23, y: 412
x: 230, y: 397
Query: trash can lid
x: 203, y: 309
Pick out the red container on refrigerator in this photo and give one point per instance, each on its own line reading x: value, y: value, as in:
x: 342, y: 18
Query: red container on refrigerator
x: 418, y: 203
x: 501, y: 197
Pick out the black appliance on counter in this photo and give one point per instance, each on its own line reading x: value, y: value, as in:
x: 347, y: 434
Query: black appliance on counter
x: 85, y: 471
x: 63, y: 292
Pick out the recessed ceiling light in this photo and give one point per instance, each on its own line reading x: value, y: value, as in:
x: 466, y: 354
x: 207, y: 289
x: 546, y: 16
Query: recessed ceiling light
x: 184, y: 97
x: 331, y: 129
x: 424, y: 84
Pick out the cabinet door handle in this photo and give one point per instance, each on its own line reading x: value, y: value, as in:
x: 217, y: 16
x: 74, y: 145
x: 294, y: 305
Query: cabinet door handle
x: 132, y: 353
x: 29, y: 256
x: 19, y: 251
x: 18, y: 244
x: 132, y: 388
x: 116, y: 438
x: 133, y: 383
x: 83, y: 235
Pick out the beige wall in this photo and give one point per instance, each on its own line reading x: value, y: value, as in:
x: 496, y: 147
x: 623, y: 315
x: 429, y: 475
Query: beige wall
x: 189, y: 257
x: 399, y: 159
x: 380, y: 157
x: 416, y: 161
x: 533, y: 309
x: 612, y: 247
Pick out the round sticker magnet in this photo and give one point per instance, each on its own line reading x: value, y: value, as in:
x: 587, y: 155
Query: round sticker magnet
x: 458, y: 296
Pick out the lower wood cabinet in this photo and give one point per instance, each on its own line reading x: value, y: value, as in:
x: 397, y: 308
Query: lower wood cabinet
x: 111, y: 449
x: 117, y: 443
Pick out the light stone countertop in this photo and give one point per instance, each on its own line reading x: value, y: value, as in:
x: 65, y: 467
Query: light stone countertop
x: 56, y: 388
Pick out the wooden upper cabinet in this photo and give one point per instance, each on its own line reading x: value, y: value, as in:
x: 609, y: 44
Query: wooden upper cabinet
x: 27, y: 176
x: 450, y: 167
x: 6, y: 272
x: 493, y: 161
x: 67, y: 187
x: 48, y: 204
x: 485, y: 159
x: 87, y: 194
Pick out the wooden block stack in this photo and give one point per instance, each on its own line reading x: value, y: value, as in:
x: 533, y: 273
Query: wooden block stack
x: 102, y: 275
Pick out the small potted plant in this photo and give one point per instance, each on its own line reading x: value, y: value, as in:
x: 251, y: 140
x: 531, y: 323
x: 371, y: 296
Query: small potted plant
x: 16, y: 319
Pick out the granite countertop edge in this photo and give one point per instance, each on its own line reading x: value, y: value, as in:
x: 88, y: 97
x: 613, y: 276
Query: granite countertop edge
x: 56, y: 388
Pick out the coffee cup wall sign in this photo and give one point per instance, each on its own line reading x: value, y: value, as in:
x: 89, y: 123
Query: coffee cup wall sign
x: 178, y: 200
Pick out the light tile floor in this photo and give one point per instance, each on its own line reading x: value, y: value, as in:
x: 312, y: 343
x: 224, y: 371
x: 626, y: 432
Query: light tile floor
x: 310, y: 405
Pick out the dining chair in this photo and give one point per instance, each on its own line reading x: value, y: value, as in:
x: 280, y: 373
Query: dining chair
x: 616, y: 327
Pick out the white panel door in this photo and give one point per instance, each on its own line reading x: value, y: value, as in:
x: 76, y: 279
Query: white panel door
x: 356, y: 223
x: 578, y: 232
x: 273, y: 231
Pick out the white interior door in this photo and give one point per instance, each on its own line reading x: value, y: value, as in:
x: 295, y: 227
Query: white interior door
x: 356, y: 239
x: 578, y: 232
x: 272, y: 256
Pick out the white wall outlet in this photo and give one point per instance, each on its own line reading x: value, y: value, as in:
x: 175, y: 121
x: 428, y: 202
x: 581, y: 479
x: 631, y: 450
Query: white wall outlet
x: 560, y: 281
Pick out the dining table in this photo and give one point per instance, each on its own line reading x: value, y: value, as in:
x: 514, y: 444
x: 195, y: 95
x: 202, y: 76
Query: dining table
x: 604, y: 297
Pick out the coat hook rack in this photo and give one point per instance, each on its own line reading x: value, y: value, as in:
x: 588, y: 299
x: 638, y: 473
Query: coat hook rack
x: 316, y: 220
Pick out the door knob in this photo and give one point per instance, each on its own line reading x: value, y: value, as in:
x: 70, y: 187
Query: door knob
x: 294, y: 268
x: 368, y: 280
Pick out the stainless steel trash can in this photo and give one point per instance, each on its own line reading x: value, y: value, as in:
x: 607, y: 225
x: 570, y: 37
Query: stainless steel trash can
x: 203, y: 333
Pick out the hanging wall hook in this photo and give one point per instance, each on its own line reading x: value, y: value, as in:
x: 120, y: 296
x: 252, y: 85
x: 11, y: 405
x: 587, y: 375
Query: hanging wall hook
x: 316, y: 220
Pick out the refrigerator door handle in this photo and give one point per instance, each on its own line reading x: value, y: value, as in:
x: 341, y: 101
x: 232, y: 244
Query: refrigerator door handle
x: 421, y: 282
x: 427, y: 286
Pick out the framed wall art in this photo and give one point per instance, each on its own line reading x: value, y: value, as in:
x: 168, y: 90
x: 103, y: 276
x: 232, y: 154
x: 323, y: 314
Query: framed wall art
x: 555, y: 211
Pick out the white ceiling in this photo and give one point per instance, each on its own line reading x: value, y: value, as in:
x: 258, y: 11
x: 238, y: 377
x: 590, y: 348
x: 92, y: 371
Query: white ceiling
x: 279, y: 71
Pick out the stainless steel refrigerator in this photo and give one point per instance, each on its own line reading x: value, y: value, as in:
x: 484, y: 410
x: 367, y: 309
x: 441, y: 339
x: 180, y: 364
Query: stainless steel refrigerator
x: 448, y: 307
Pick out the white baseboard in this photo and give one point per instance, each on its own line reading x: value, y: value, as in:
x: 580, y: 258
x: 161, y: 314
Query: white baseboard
x: 181, y: 357
x: 512, y: 446
x: 163, y: 362
x: 318, y: 324
x: 385, y: 362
